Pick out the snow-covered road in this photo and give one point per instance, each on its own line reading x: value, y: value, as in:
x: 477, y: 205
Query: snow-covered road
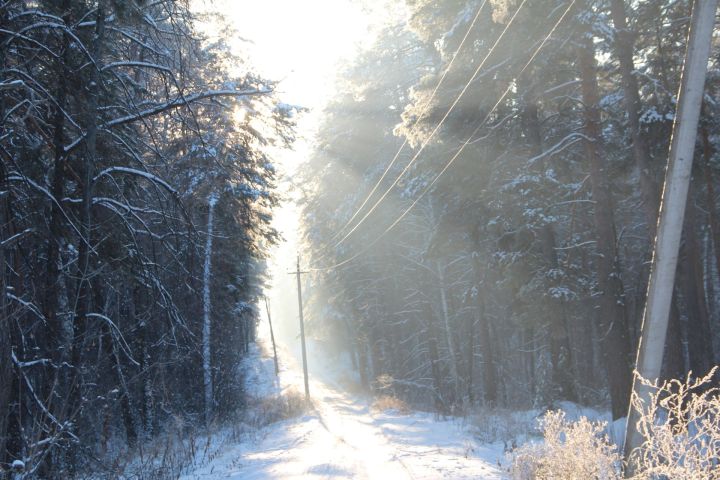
x: 343, y: 438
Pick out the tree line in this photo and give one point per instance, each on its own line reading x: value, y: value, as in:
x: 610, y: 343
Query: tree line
x: 517, y: 277
x: 136, y: 193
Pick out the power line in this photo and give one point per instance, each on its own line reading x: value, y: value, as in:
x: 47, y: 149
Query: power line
x: 414, y: 127
x: 459, y: 151
x: 435, y: 130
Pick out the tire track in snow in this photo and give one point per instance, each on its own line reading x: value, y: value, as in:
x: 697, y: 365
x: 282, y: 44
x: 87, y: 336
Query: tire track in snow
x: 394, y: 457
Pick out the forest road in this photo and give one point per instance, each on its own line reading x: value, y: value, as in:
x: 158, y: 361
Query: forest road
x: 343, y: 437
x: 361, y: 449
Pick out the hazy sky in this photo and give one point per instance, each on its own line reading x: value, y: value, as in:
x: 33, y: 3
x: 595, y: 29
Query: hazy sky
x: 301, y: 44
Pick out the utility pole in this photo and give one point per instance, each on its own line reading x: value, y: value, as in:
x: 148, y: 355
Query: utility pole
x: 297, y: 272
x: 672, y: 212
x: 272, y: 338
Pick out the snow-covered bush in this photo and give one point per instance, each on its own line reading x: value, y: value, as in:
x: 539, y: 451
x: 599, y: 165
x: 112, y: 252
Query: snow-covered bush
x: 274, y: 408
x: 681, y: 427
x: 166, y: 456
x: 490, y: 425
x: 570, y: 451
x: 392, y: 403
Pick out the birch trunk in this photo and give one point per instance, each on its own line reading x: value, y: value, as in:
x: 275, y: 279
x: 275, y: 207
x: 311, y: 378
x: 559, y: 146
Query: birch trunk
x: 207, y: 367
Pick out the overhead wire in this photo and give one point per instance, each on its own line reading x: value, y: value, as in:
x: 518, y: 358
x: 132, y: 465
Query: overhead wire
x: 423, y: 111
x: 457, y: 153
x: 437, y: 127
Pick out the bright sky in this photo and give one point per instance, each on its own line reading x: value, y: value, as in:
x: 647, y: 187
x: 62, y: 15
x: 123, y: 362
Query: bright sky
x: 301, y: 44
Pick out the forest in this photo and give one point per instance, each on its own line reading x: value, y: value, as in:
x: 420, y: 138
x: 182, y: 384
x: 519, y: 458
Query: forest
x: 502, y: 255
x: 477, y: 210
x: 132, y: 155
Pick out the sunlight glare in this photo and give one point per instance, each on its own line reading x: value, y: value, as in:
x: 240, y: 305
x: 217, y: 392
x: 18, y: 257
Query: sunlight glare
x: 300, y: 44
x: 302, y: 47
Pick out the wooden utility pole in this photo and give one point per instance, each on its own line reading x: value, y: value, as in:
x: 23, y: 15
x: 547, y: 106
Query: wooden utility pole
x: 272, y: 338
x: 297, y: 272
x: 672, y: 211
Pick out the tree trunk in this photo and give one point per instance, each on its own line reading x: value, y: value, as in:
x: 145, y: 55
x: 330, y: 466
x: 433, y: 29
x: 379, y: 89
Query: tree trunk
x: 134, y: 300
x: 449, y: 340
x: 375, y: 352
x: 6, y: 363
x: 674, y: 356
x: 648, y: 186
x: 486, y: 341
x: 90, y: 161
x: 672, y: 211
x: 560, y: 352
x: 470, y: 322
x: 12, y: 437
x: 126, y: 408
x: 363, y: 361
x: 699, y: 334
x: 56, y: 220
x: 612, y: 320
x: 361, y: 345
x: 352, y: 344
x: 207, y: 367
x: 624, y: 51
x: 710, y: 190
x: 437, y: 389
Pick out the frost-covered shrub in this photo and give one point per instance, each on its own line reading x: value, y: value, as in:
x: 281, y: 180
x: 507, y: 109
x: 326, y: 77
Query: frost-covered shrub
x: 164, y: 457
x: 274, y: 408
x: 490, y: 425
x: 390, y: 403
x: 681, y: 427
x: 570, y: 451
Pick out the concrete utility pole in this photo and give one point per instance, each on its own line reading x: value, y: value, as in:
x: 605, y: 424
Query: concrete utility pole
x: 272, y: 338
x: 297, y: 272
x: 672, y: 211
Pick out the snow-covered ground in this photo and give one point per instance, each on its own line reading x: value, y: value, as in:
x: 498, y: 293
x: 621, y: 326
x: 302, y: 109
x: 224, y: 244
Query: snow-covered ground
x: 342, y: 437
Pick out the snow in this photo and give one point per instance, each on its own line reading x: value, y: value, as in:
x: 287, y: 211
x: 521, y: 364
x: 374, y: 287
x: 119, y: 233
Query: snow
x: 342, y: 437
x: 562, y: 292
x: 288, y: 110
x: 11, y: 84
x: 651, y: 115
x: 134, y: 171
